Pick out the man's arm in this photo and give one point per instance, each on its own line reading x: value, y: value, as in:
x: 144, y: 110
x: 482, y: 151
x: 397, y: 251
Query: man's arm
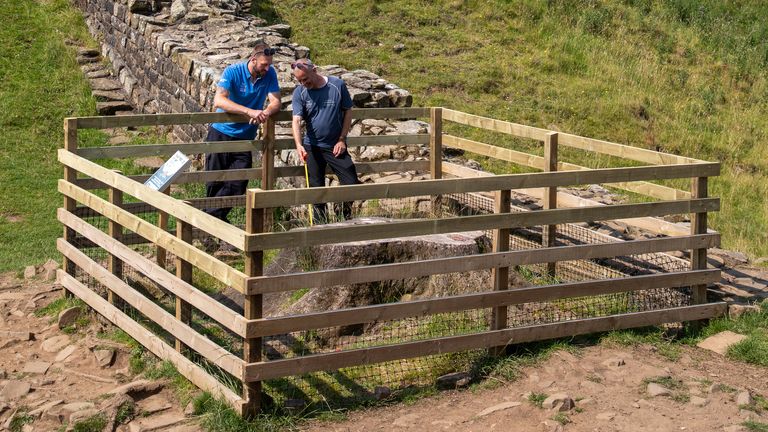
x: 296, y: 127
x: 222, y: 100
x: 341, y: 144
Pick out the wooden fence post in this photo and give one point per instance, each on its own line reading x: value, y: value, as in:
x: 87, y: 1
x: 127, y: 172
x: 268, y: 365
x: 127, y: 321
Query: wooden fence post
x: 115, y: 230
x: 70, y: 175
x: 500, y: 275
x: 436, y: 154
x: 162, y: 222
x: 183, y: 272
x: 268, y: 164
x: 253, y: 305
x: 699, y: 226
x: 549, y: 232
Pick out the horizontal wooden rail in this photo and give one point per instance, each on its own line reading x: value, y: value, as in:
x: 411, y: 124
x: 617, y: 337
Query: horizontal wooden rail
x: 293, y: 197
x: 218, y: 269
x: 152, y: 342
x: 362, y: 168
x: 321, y: 278
x: 159, y: 200
x: 187, y: 292
x: 570, y: 140
x: 183, y: 178
x: 367, y: 140
x: 206, y: 347
x: 129, y: 151
x: 208, y: 117
x: 372, y: 355
x: 387, y: 312
x: 346, y: 233
x: 529, y: 160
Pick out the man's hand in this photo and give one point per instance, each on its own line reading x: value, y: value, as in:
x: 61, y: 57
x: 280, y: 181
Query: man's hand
x: 302, y: 153
x: 339, y: 148
x: 257, y: 116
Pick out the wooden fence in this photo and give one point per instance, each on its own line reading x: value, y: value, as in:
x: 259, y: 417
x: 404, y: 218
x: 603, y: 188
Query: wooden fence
x: 82, y: 177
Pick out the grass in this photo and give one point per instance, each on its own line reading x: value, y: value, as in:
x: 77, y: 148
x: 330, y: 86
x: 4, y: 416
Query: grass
x: 91, y: 424
x: 537, y: 399
x: 684, y: 76
x: 755, y: 426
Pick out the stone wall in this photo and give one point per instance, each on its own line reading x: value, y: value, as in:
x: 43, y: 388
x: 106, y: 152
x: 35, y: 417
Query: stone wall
x: 168, y: 55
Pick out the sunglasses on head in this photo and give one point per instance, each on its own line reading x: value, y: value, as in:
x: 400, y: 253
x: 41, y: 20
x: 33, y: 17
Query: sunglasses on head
x: 302, y: 66
x: 267, y: 52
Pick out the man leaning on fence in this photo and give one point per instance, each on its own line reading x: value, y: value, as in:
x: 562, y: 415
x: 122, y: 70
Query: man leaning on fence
x: 242, y: 89
x: 324, y: 104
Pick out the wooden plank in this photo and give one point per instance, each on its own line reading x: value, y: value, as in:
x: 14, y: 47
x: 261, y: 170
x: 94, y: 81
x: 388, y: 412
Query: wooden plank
x: 502, y: 298
x: 253, y: 306
x: 187, y: 177
x: 184, y: 273
x: 570, y: 140
x: 70, y: 145
x: 173, y: 207
x: 500, y: 275
x: 162, y: 223
x: 699, y: 225
x: 366, y: 141
x: 115, y: 231
x: 372, y: 355
x: 181, y: 331
x: 549, y: 232
x: 436, y: 156
x: 529, y: 160
x: 158, y: 120
x: 154, y: 344
x: 371, y: 113
x: 178, y: 287
x: 655, y: 225
x: 324, y: 278
x: 303, y: 237
x: 362, y: 168
x: 268, y: 156
x: 296, y: 197
x: 189, y: 253
x: 132, y: 151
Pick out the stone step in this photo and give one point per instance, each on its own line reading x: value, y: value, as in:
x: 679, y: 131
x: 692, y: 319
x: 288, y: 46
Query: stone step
x: 110, y: 108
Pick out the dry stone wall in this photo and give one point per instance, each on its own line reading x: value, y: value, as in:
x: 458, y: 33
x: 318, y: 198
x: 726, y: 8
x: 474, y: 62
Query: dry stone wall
x: 168, y: 56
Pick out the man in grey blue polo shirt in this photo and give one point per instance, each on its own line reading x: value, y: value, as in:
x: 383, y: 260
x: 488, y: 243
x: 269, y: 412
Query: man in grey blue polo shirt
x: 324, y: 104
x: 242, y: 89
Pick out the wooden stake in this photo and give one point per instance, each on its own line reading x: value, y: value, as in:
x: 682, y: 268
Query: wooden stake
x: 183, y: 272
x: 115, y: 231
x: 253, y: 306
x: 549, y: 232
x: 436, y: 154
x: 500, y: 275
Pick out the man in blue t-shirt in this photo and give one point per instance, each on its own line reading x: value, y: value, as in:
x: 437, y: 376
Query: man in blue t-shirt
x: 242, y: 89
x: 324, y: 104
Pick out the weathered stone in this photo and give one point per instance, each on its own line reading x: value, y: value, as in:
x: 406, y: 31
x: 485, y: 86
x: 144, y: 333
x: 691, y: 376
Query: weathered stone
x: 655, y: 389
x: 45, y: 407
x: 108, y: 95
x: 55, y: 343
x: 381, y: 392
x: 105, y: 84
x: 67, y: 317
x: 15, y: 390
x: 720, y: 342
x: 140, y: 6
x: 179, y: 8
x: 64, y: 354
x: 29, y: 272
x: 87, y: 52
x: 36, y: 367
x: 453, y: 380
x: 81, y: 415
x: 499, y: 407
x: 744, y: 398
x: 155, y: 423
x: 153, y: 162
x: 698, y: 401
x: 400, y: 98
x: 110, y: 108
x: 104, y: 357
x: 737, y: 310
x: 398, y: 48
x: 559, y: 401
x: 139, y: 386
x: 154, y: 404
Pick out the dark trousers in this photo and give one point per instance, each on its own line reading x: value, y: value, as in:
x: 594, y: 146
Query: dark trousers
x: 317, y: 160
x: 225, y: 161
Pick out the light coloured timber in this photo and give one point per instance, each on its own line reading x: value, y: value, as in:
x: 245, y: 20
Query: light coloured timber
x: 173, y: 207
x: 371, y: 113
x: 201, y: 301
x: 361, y: 167
x: 297, y: 197
x: 303, y: 237
x: 569, y: 140
x: 180, y: 330
x: 366, y: 140
x: 187, y: 177
x: 132, y: 151
x: 388, y: 312
x: 533, y: 161
x: 372, y: 355
x: 699, y: 189
x: 154, y: 344
x: 655, y: 225
x: 324, y: 278
x: 218, y: 269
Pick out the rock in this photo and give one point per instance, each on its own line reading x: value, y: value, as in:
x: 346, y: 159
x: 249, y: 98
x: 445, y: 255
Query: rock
x: 382, y: 392
x: 720, y: 342
x: 64, y: 353
x: 283, y: 30
x: 108, y: 95
x: 119, y: 140
x: 105, y: 84
x: 658, y: 390
x: 737, y: 310
x: 179, y: 8
x: 14, y: 390
x: 51, y: 265
x: 110, y: 108
x: 67, y: 317
x: 498, y: 407
x: 76, y: 406
x: 400, y: 98
x: 36, y: 367
x: 104, y: 357
x: 189, y: 410
x: 55, y: 343
x: 410, y: 127
x: 614, y: 362
x: 398, y: 48
x: 155, y: 423
x: 605, y: 416
x: 453, y: 380
x: 294, y: 405
x: 139, y: 386
x: 744, y: 398
x: 155, y: 404
x: 375, y: 153
x: 87, y: 52
x: 81, y: 415
x: 140, y: 6
x: 45, y: 407
x: 698, y: 401
x: 29, y: 272
x: 559, y: 401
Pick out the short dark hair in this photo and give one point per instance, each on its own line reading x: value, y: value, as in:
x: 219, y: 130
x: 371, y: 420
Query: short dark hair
x: 258, y: 49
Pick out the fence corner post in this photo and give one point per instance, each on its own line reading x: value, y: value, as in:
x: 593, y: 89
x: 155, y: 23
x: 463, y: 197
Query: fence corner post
x: 549, y: 232
x: 436, y: 153
x: 253, y: 303
x: 500, y: 275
